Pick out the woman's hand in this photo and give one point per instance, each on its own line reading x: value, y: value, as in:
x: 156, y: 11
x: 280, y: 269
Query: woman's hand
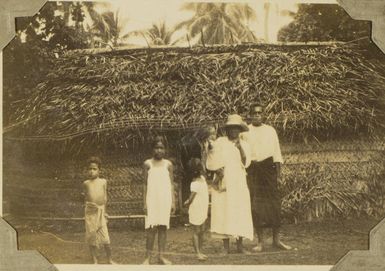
x: 237, y: 144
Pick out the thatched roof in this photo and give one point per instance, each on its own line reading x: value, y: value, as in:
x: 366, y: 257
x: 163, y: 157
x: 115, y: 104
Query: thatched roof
x: 324, y: 89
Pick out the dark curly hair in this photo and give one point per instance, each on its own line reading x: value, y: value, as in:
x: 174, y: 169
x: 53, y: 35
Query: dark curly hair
x: 95, y: 160
x: 196, y: 167
x: 158, y: 139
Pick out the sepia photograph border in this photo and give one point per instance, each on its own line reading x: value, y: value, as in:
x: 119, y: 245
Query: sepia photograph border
x: 12, y: 259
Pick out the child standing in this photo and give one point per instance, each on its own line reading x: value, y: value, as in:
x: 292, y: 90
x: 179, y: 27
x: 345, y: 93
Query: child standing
x: 159, y: 200
x: 198, y: 203
x: 95, y: 192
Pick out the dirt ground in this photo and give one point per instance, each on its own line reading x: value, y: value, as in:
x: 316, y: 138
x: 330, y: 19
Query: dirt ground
x: 316, y: 243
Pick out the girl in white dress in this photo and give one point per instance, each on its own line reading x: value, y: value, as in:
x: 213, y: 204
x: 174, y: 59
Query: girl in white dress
x: 198, y: 203
x: 159, y: 200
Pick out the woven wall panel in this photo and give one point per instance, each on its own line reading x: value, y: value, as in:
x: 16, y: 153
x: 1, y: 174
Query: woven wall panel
x: 34, y: 191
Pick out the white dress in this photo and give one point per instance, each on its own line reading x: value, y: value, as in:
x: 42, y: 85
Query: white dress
x: 230, y: 210
x: 199, y: 207
x: 159, y: 197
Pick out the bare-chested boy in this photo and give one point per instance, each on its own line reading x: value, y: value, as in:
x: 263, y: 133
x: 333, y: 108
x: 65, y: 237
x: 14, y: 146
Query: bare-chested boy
x: 95, y: 192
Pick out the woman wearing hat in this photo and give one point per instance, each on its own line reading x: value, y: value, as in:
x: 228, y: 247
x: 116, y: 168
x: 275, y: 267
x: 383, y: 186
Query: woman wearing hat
x: 230, y: 207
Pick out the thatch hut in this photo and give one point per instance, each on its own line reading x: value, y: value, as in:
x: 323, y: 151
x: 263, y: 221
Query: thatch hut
x: 326, y: 101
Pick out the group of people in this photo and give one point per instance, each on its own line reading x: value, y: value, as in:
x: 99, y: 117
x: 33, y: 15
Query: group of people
x: 240, y: 170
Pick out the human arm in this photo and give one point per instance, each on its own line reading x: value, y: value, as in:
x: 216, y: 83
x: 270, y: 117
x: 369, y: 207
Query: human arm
x: 278, y: 169
x: 190, y: 199
x: 171, y: 172
x: 241, y: 151
x: 105, y: 191
x: 145, y: 175
x: 194, y: 188
x: 277, y: 155
x: 105, y: 196
x: 84, y: 190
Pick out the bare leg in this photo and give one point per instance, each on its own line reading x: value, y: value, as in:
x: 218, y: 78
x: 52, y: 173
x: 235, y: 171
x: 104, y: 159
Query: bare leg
x: 239, y: 245
x: 201, y: 239
x: 277, y: 240
x: 201, y: 231
x: 93, y: 254
x: 107, y: 248
x: 226, y: 245
x: 196, y: 239
x: 196, y: 242
x: 150, y: 239
x: 162, y: 239
x: 259, y: 247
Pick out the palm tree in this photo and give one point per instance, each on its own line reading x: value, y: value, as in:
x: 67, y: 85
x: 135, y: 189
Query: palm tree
x: 219, y: 23
x: 107, y: 25
x: 266, y: 26
x: 245, y: 15
x: 158, y: 34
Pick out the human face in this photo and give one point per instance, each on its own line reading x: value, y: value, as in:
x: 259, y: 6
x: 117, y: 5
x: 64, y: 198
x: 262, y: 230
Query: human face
x: 233, y: 132
x: 93, y: 170
x: 256, y: 115
x: 159, y: 151
x: 212, y: 134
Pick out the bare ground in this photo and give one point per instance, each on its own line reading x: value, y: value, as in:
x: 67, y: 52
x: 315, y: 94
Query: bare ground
x: 316, y: 243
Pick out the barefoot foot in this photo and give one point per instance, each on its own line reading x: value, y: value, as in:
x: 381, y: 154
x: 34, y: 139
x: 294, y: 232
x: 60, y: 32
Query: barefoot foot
x: 164, y: 261
x: 201, y: 257
x: 282, y: 246
x: 258, y: 248
x: 146, y: 261
x: 244, y: 252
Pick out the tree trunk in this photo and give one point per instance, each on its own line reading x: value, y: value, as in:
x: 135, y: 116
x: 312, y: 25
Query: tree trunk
x: 267, y: 11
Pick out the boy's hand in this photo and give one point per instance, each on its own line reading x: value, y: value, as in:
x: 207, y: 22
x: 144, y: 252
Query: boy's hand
x: 186, y: 203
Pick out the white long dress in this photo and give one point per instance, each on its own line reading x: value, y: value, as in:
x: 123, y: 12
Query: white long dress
x: 199, y: 207
x: 230, y: 210
x: 159, y: 197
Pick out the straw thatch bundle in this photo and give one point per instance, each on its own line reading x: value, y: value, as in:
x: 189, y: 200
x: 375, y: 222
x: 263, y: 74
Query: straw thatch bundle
x: 308, y: 90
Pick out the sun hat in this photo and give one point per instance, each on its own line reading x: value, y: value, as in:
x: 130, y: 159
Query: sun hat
x: 236, y: 120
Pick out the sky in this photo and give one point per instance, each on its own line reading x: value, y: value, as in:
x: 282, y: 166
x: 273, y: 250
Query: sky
x: 141, y: 14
